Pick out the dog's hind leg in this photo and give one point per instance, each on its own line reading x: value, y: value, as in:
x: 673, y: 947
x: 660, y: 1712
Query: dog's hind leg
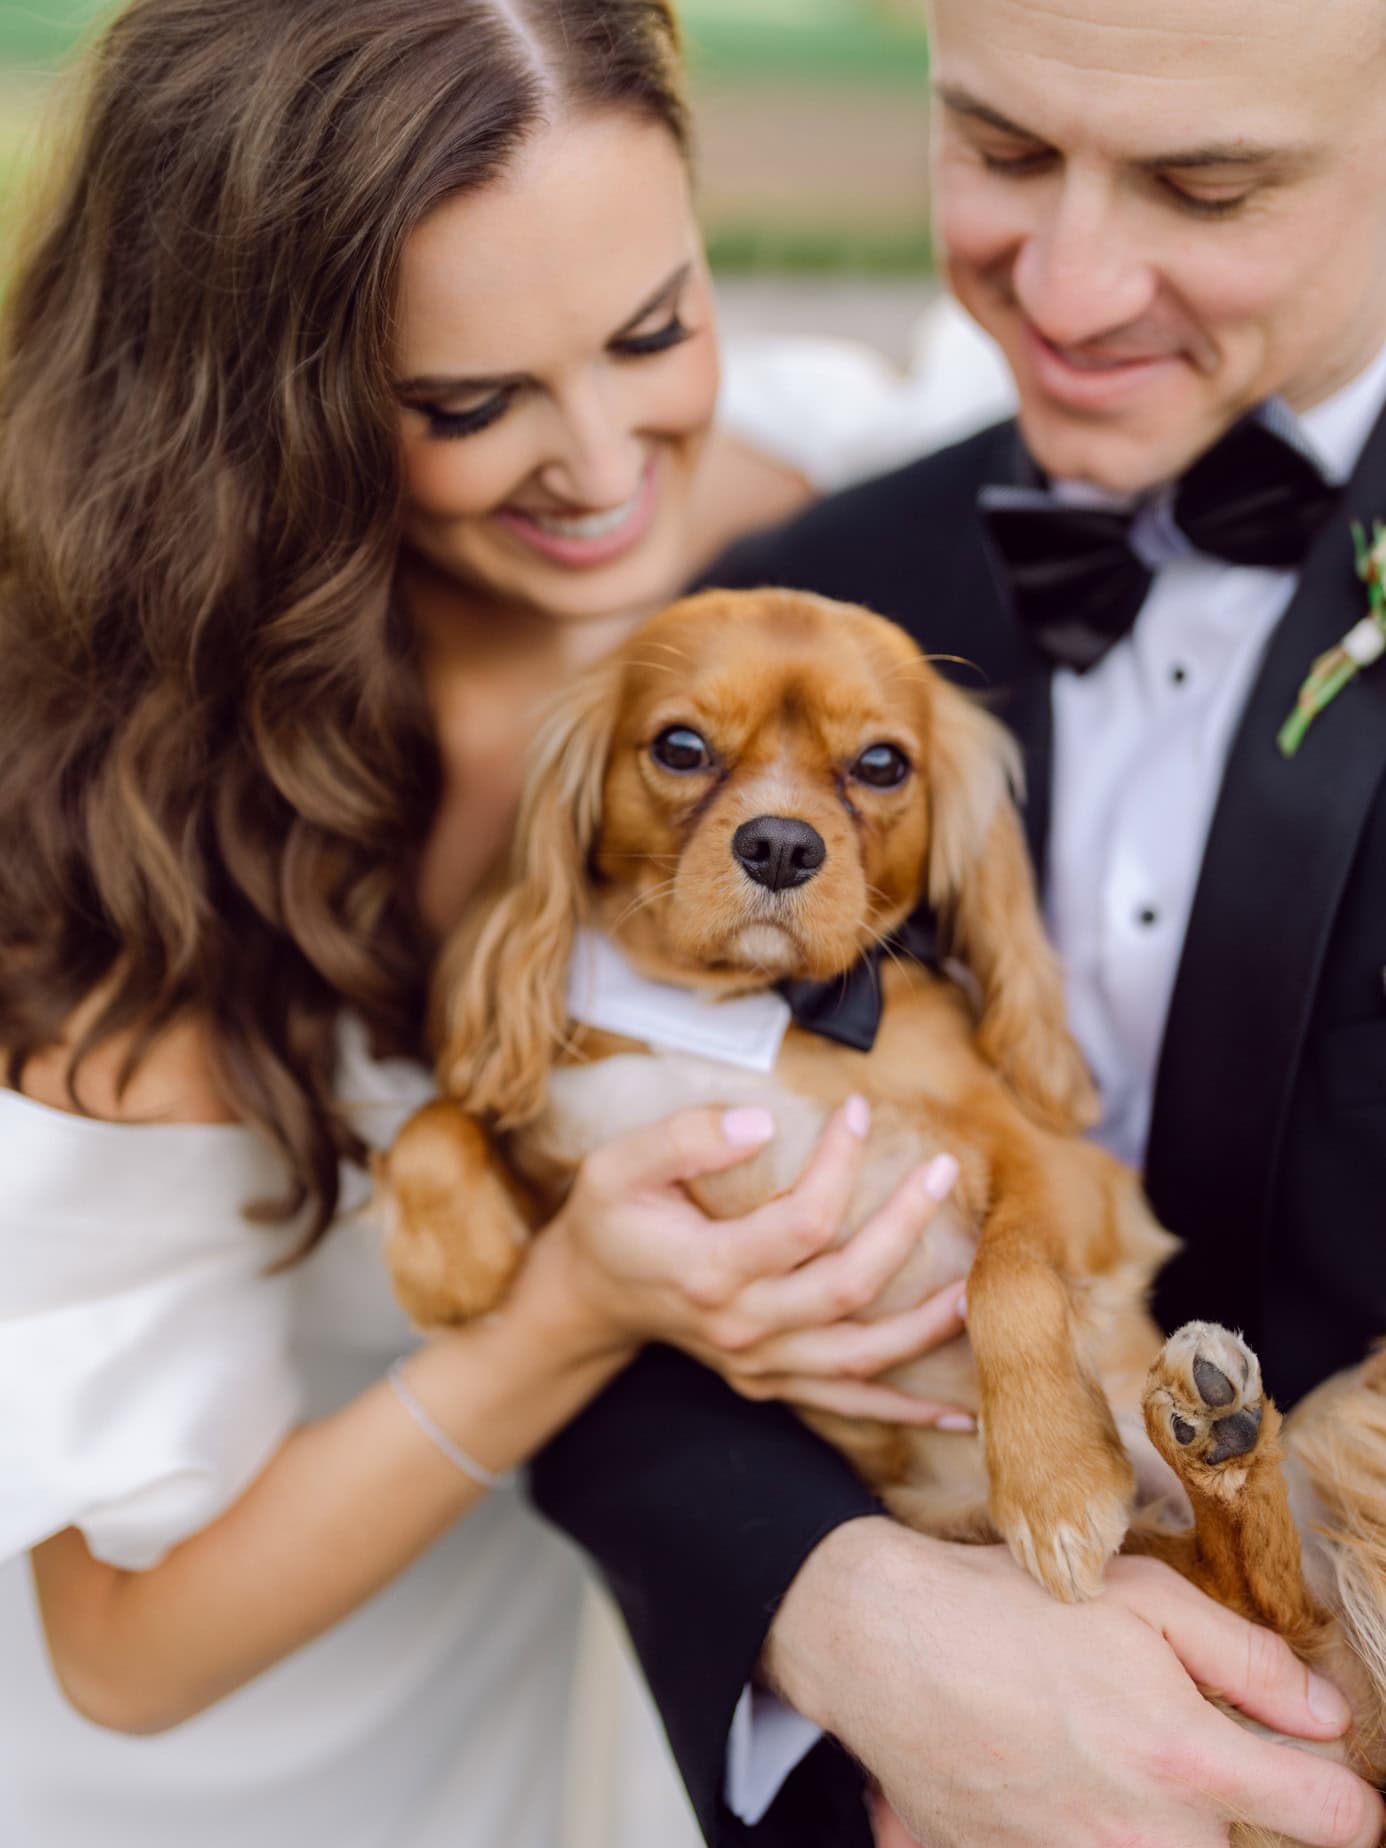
x: 1209, y: 1419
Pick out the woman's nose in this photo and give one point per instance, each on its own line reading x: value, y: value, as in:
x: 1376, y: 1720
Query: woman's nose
x: 1078, y: 275
x: 598, y: 457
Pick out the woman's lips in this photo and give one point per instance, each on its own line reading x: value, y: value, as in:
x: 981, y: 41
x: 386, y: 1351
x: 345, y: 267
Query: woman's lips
x: 1090, y: 379
x: 583, y: 540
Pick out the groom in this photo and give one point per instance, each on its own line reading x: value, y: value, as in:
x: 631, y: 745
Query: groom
x: 1173, y: 219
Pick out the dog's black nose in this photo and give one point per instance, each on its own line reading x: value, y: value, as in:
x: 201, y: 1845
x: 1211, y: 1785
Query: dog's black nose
x: 779, y: 853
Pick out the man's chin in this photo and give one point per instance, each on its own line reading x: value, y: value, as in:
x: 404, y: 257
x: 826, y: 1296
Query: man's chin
x: 1123, y: 461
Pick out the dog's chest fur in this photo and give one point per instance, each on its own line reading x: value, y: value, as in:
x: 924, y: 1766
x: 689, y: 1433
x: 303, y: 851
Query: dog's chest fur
x: 917, y: 1079
x: 930, y: 1092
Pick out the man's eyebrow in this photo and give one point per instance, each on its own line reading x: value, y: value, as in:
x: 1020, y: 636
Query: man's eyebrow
x: 1233, y: 154
x: 1213, y: 154
x: 963, y: 102
x: 438, y: 385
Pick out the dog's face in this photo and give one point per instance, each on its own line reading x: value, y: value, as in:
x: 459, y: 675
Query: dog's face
x: 759, y: 785
x: 765, y: 804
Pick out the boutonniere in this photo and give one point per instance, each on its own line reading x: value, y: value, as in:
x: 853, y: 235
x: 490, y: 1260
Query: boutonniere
x: 1363, y: 644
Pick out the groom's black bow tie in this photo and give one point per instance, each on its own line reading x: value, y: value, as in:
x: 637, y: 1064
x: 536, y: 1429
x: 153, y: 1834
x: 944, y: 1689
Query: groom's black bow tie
x: 1255, y: 498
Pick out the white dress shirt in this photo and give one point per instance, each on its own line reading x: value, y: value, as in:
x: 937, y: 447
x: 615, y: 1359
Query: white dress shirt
x: 1140, y: 745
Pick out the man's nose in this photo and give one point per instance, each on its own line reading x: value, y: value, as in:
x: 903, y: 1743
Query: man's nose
x: 598, y: 456
x: 1079, y: 273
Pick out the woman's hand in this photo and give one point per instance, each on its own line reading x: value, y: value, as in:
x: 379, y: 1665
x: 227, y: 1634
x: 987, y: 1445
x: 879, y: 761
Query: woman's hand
x: 770, y: 1300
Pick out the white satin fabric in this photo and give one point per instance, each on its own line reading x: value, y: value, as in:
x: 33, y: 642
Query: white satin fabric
x: 838, y: 412
x: 148, y: 1369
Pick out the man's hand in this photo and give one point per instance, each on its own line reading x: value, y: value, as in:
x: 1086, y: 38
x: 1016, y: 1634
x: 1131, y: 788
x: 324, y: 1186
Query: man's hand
x: 993, y: 1715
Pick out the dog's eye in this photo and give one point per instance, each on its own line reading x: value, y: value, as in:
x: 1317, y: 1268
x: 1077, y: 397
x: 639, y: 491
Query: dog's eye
x: 883, y: 767
x: 680, y: 748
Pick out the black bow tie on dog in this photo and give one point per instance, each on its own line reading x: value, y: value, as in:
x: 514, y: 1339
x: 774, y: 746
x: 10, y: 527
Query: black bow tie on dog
x: 848, y: 1008
x: 1255, y: 498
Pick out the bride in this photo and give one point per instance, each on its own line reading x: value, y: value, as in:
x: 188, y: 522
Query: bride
x: 355, y: 393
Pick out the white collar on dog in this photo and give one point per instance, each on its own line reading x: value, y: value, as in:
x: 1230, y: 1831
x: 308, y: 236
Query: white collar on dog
x: 604, y: 991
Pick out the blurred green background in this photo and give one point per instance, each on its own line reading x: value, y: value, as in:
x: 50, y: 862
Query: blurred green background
x: 811, y: 114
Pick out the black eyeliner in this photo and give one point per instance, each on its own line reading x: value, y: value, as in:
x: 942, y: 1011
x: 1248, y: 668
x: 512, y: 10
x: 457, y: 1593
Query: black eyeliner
x: 640, y: 346
x: 465, y: 423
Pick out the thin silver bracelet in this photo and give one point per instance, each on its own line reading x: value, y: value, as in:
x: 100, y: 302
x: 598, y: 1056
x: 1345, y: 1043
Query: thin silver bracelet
x: 478, y: 1472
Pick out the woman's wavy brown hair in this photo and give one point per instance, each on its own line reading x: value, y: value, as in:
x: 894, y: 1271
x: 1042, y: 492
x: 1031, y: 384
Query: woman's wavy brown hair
x: 216, y: 772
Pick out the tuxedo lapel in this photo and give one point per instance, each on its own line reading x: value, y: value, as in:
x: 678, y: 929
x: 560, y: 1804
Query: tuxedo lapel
x: 1027, y: 707
x: 1016, y: 680
x: 1279, y: 852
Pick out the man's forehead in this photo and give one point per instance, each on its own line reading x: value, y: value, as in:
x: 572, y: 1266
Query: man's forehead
x: 1278, y: 62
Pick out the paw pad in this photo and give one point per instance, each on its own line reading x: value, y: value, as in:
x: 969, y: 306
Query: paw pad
x: 1203, y: 1397
x: 1213, y: 1384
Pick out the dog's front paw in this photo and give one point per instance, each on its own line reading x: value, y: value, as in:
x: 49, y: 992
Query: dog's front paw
x: 1064, y: 1515
x: 1204, y: 1404
x: 455, y: 1225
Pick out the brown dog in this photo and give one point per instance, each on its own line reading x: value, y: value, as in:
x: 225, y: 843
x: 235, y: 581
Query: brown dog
x: 763, y: 786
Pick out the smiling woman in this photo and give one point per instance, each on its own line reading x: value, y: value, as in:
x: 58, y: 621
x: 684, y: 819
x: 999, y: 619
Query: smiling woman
x: 558, y: 396
x: 351, y: 394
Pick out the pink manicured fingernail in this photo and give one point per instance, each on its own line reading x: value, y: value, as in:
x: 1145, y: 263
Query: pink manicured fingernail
x: 748, y: 1127
x: 939, y: 1177
x: 1326, y: 1704
x: 956, y: 1421
x: 858, y: 1115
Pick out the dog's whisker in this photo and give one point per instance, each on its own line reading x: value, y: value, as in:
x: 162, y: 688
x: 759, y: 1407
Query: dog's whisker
x: 880, y: 940
x: 890, y: 950
x: 956, y: 661
x: 644, y: 899
x: 634, y: 909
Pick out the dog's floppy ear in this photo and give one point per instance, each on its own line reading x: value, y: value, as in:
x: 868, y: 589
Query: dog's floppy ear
x: 981, y: 886
x: 501, y: 985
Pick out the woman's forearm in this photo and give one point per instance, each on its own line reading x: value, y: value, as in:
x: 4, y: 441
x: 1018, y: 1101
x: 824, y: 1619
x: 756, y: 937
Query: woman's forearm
x: 344, y: 1505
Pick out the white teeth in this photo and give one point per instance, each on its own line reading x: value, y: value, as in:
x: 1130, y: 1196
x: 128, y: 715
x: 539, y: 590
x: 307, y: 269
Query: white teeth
x: 1092, y: 362
x: 588, y: 526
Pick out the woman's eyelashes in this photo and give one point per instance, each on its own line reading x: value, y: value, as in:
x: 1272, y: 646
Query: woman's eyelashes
x: 643, y: 346
x: 481, y: 416
x: 467, y: 423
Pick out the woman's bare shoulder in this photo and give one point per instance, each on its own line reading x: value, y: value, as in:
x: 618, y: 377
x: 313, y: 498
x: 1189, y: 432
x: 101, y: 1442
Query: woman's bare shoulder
x: 175, y: 1082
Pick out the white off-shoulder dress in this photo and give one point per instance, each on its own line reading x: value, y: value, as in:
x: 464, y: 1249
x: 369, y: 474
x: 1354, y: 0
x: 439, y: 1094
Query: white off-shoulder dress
x: 149, y: 1368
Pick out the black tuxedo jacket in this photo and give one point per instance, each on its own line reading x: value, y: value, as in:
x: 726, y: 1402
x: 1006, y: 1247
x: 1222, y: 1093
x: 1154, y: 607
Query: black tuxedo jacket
x: 1267, y: 1151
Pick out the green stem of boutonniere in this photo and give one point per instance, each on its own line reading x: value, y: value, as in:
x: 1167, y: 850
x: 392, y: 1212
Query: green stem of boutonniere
x: 1359, y: 648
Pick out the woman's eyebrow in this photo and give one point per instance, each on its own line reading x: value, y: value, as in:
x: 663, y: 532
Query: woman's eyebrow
x: 440, y: 385
x: 669, y: 288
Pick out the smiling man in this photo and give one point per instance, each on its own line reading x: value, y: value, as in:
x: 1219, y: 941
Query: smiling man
x: 1173, y: 219
x: 1164, y: 214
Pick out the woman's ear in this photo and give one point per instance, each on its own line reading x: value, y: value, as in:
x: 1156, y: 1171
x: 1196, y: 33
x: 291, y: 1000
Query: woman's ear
x: 980, y: 884
x: 500, y: 990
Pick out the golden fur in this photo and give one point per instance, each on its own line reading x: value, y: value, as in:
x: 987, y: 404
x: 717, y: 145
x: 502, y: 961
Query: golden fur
x: 1077, y: 1399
